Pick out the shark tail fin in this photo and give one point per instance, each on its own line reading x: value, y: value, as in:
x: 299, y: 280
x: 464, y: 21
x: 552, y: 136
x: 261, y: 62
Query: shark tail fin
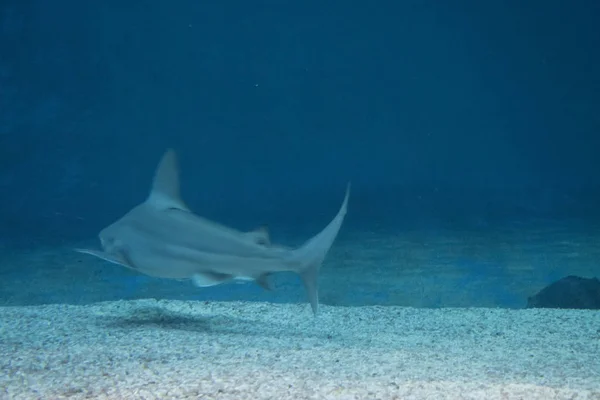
x: 311, y: 254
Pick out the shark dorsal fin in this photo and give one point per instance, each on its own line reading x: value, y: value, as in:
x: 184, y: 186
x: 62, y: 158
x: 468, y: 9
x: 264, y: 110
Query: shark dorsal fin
x: 165, y: 187
x: 260, y: 236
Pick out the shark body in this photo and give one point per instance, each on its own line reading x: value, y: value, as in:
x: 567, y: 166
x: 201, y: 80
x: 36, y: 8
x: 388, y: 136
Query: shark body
x: 162, y: 238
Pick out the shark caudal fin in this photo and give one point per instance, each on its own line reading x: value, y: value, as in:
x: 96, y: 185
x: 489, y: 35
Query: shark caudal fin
x: 311, y: 254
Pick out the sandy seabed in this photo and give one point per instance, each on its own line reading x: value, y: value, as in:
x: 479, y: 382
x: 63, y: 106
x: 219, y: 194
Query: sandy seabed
x: 158, y: 349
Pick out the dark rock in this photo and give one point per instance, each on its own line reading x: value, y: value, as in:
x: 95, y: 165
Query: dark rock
x: 569, y: 292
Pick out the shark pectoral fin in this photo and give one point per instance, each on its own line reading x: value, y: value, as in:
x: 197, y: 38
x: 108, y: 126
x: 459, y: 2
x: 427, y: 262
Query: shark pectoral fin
x: 206, y: 279
x: 112, y: 258
x: 260, y: 236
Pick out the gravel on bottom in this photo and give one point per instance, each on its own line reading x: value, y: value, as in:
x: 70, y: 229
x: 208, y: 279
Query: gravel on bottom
x: 158, y: 349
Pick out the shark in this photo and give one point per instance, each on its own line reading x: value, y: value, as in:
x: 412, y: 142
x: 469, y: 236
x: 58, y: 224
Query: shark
x: 163, y: 238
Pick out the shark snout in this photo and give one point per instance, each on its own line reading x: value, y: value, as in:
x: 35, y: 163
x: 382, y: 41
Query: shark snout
x: 107, y: 243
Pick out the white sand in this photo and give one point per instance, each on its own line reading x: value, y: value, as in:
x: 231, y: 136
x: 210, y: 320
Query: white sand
x: 189, y: 350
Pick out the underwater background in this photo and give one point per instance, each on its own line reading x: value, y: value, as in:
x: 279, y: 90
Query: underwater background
x: 470, y: 132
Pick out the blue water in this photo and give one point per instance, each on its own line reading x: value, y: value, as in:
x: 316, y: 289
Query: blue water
x: 452, y: 121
